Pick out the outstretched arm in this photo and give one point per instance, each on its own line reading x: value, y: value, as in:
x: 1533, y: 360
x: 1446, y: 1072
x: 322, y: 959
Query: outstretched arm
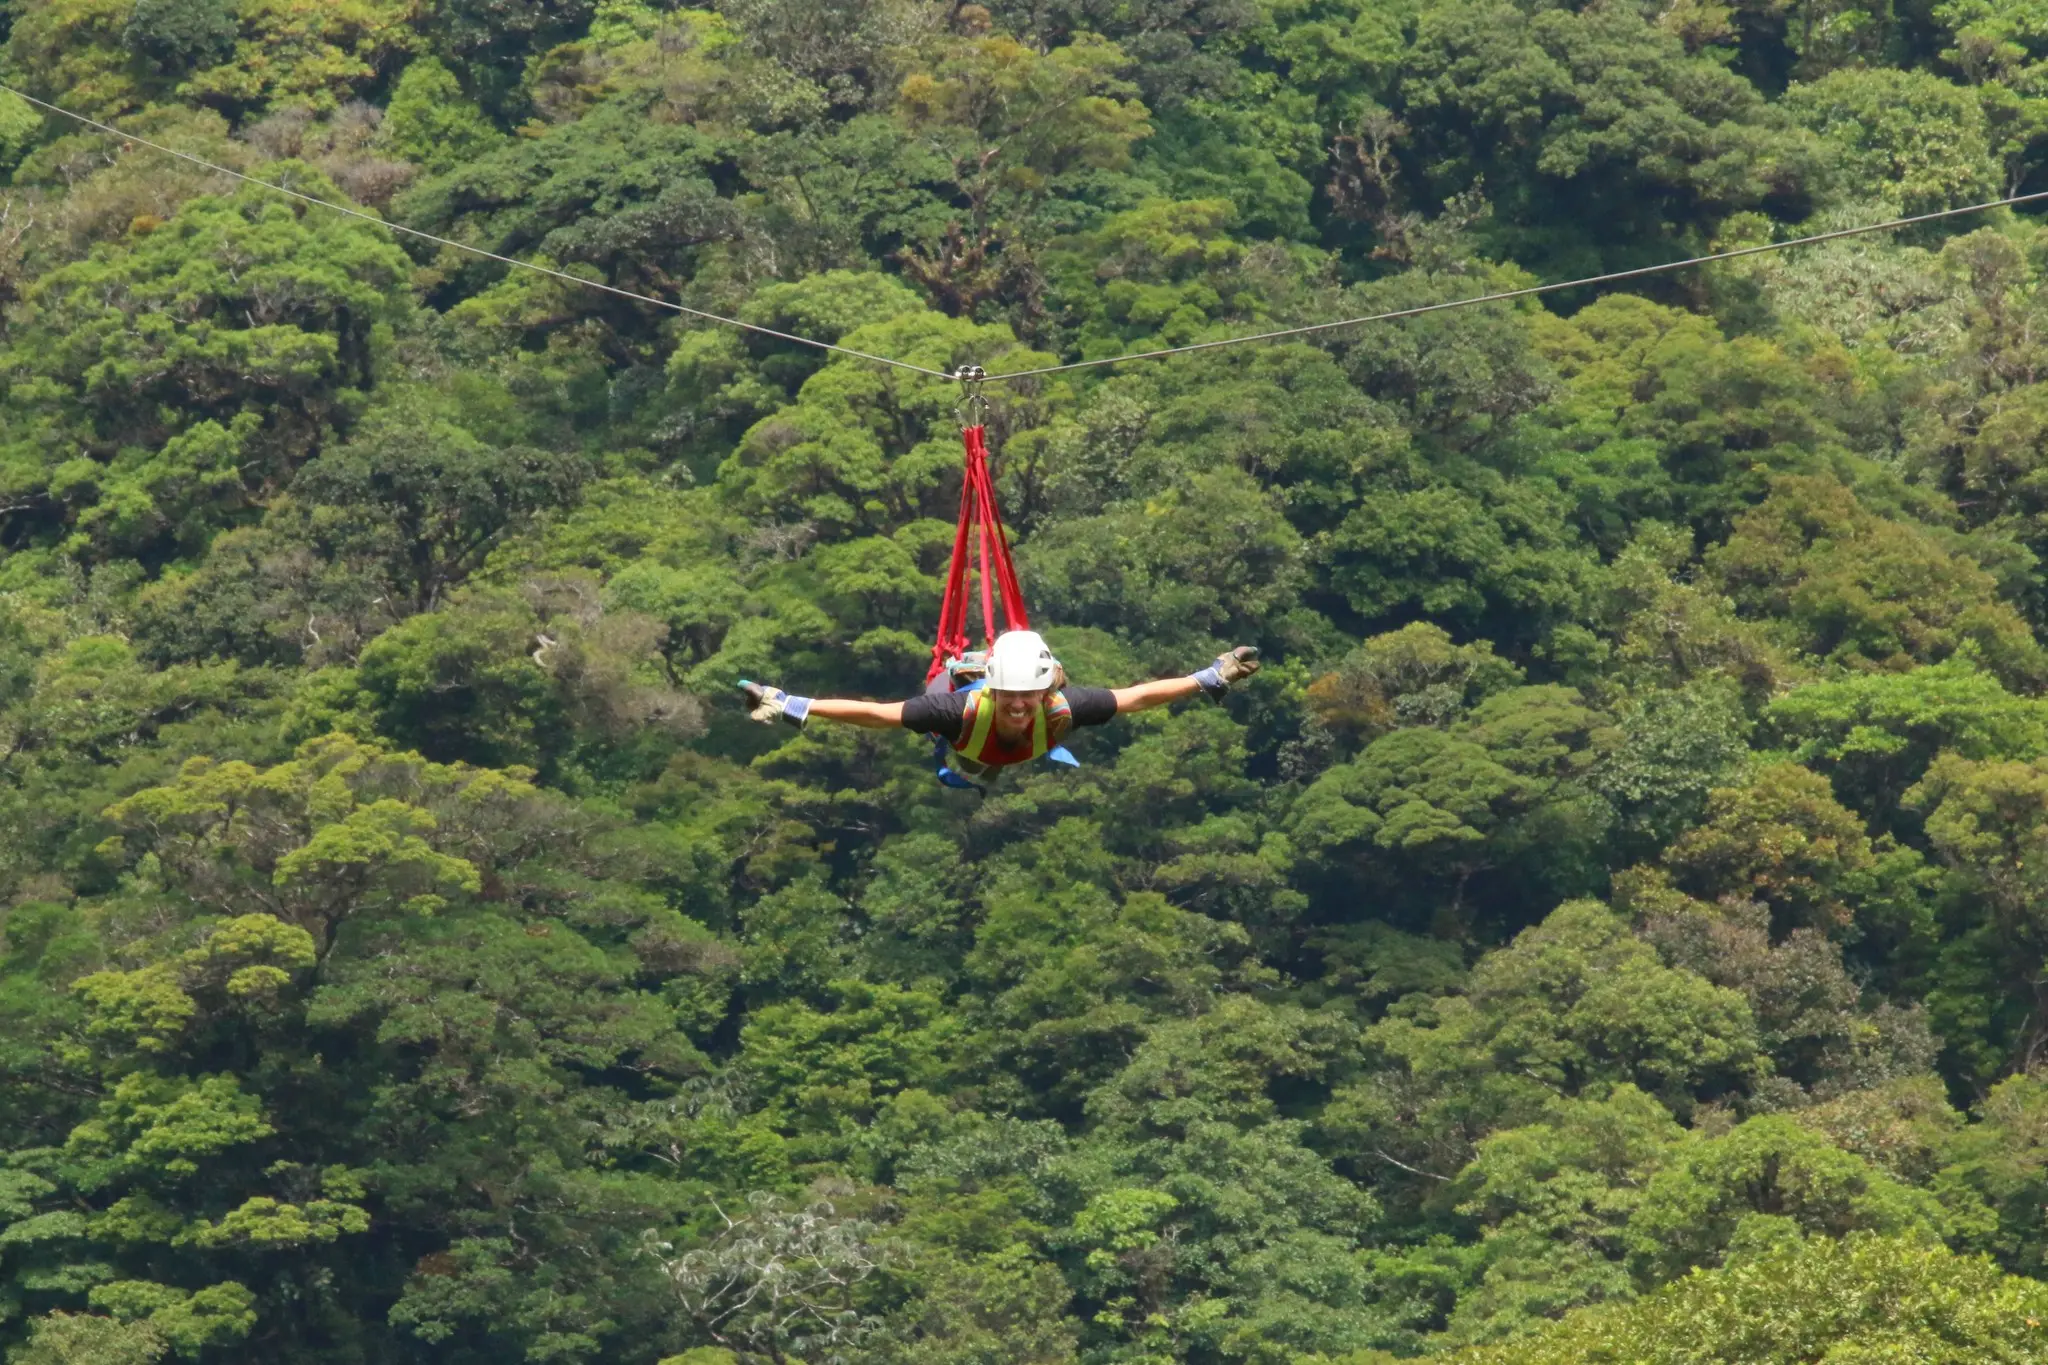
x: 1238, y: 664
x: 869, y: 715
x: 768, y: 704
x: 1145, y: 696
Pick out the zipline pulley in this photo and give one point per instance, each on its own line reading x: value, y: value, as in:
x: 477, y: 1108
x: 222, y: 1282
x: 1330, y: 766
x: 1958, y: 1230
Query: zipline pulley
x: 973, y: 409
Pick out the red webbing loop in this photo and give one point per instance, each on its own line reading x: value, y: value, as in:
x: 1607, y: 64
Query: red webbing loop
x: 988, y: 603
x: 998, y: 573
x: 1015, y: 616
x: 953, y: 605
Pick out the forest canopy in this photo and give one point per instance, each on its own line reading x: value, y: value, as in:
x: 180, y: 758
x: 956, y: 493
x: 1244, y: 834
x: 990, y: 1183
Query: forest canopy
x: 1609, y: 928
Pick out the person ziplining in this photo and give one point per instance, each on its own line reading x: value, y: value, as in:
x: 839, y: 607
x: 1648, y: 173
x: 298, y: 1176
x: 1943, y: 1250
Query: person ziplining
x: 1008, y: 704
x: 1018, y: 709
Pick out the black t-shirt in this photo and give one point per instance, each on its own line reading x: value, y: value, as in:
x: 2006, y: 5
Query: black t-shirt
x: 939, y: 713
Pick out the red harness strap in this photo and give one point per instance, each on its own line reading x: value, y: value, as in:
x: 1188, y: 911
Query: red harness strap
x: 998, y: 574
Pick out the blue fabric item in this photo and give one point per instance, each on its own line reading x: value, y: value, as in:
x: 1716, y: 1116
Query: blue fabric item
x: 940, y: 748
x: 1058, y: 754
x: 796, y: 710
x: 1210, y: 680
x: 951, y: 778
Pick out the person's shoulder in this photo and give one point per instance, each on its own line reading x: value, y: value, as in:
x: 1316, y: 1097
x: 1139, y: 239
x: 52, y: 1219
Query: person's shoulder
x: 929, y: 709
x: 1090, y: 705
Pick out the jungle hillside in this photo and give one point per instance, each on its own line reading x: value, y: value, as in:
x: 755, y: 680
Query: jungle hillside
x: 1611, y: 927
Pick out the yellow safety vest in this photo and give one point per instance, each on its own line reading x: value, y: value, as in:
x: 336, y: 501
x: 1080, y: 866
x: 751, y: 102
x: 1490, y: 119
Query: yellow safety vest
x: 977, y: 750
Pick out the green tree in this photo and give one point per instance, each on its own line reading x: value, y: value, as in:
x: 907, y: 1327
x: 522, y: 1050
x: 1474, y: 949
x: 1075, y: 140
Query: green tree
x: 1905, y: 137
x: 1574, y: 1004
x: 1868, y: 1295
x: 376, y: 529
x: 1218, y: 1226
x: 181, y: 35
x: 1767, y: 1180
x: 1856, y: 588
x: 1595, y: 108
x: 2002, y: 1159
x: 1434, y: 821
x: 1984, y: 820
x: 292, y: 55
x: 1554, y: 1200
x: 616, y: 191
x: 1412, y: 676
x: 1009, y: 119
x: 431, y: 122
x: 75, y: 54
x: 160, y: 387
x: 1660, y: 416
x: 1779, y: 838
x: 1823, y: 1032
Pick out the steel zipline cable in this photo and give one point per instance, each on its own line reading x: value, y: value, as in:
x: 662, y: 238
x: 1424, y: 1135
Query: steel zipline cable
x: 1535, y: 289
x: 976, y: 377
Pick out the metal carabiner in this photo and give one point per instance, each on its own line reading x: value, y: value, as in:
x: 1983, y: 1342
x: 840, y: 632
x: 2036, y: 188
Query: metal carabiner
x: 973, y: 408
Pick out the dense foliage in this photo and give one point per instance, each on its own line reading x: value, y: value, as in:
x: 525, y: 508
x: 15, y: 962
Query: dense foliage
x: 1611, y: 928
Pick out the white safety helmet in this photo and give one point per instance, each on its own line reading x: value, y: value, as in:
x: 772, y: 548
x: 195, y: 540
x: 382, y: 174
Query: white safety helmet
x: 1021, y: 662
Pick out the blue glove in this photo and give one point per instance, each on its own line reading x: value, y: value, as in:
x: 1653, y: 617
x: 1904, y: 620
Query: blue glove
x: 1235, y: 666
x: 768, y: 704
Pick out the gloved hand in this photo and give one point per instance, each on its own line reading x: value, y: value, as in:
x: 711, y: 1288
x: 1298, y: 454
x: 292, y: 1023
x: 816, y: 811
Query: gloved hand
x: 1234, y: 666
x: 768, y: 704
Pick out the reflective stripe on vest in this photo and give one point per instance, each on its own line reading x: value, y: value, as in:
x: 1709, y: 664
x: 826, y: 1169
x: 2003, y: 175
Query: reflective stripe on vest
x: 978, y: 743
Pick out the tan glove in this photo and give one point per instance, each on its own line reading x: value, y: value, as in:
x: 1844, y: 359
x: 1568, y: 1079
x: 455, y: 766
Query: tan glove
x: 770, y: 704
x: 1232, y: 667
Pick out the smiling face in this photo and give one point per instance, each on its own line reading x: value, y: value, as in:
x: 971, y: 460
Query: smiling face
x: 1014, y: 711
